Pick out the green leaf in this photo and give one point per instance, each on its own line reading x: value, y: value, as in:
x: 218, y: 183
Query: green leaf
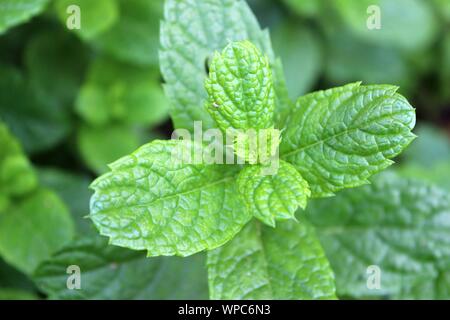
x: 14, y: 12
x: 17, y: 177
x: 16, y: 294
x: 350, y: 58
x: 133, y: 38
x: 109, y: 272
x: 33, y: 229
x: 307, y: 8
x: 56, y: 62
x: 438, y: 174
x: 240, y: 88
x: 11, y: 278
x: 273, y: 197
x: 264, y: 263
x: 443, y: 7
x: 433, y: 147
x: 151, y: 200
x: 74, y: 191
x: 37, y: 123
x: 338, y: 138
x: 91, y: 23
x: 399, y: 225
x: 301, y: 54
x: 118, y: 92
x: 405, y: 24
x: 191, y: 31
x: 100, y: 146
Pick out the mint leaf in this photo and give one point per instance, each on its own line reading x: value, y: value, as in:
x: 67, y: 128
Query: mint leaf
x: 338, y: 138
x: 190, y: 33
x: 264, y: 263
x: 17, y: 177
x: 151, y: 200
x: 240, y: 88
x: 400, y: 225
x: 100, y: 146
x: 36, y: 122
x: 109, y: 272
x: 119, y: 92
x: 56, y: 63
x: 73, y: 190
x: 34, y: 228
x: 273, y: 197
x: 133, y: 38
x: 90, y: 23
x: 14, y: 12
x: 405, y: 24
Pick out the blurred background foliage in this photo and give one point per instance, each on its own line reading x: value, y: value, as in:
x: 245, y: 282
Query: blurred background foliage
x: 73, y: 101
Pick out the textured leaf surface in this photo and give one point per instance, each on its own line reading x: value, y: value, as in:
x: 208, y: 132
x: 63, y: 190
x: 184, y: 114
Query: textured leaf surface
x: 338, y: 138
x: 33, y: 229
x: 399, y: 225
x: 90, y: 22
x: 240, y: 88
x: 109, y: 272
x: 264, y: 263
x: 273, y: 197
x: 14, y: 12
x: 191, y: 31
x: 119, y: 92
x: 150, y: 200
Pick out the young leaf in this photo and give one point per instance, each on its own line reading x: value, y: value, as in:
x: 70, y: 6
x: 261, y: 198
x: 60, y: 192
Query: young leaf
x: 191, y: 31
x: 273, y: 197
x: 33, y: 229
x: 151, y: 200
x: 14, y: 12
x: 401, y: 226
x: 264, y: 263
x: 240, y: 88
x: 109, y: 272
x: 338, y: 138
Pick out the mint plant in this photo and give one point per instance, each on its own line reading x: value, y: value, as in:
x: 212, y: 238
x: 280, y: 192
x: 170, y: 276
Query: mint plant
x: 331, y: 140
